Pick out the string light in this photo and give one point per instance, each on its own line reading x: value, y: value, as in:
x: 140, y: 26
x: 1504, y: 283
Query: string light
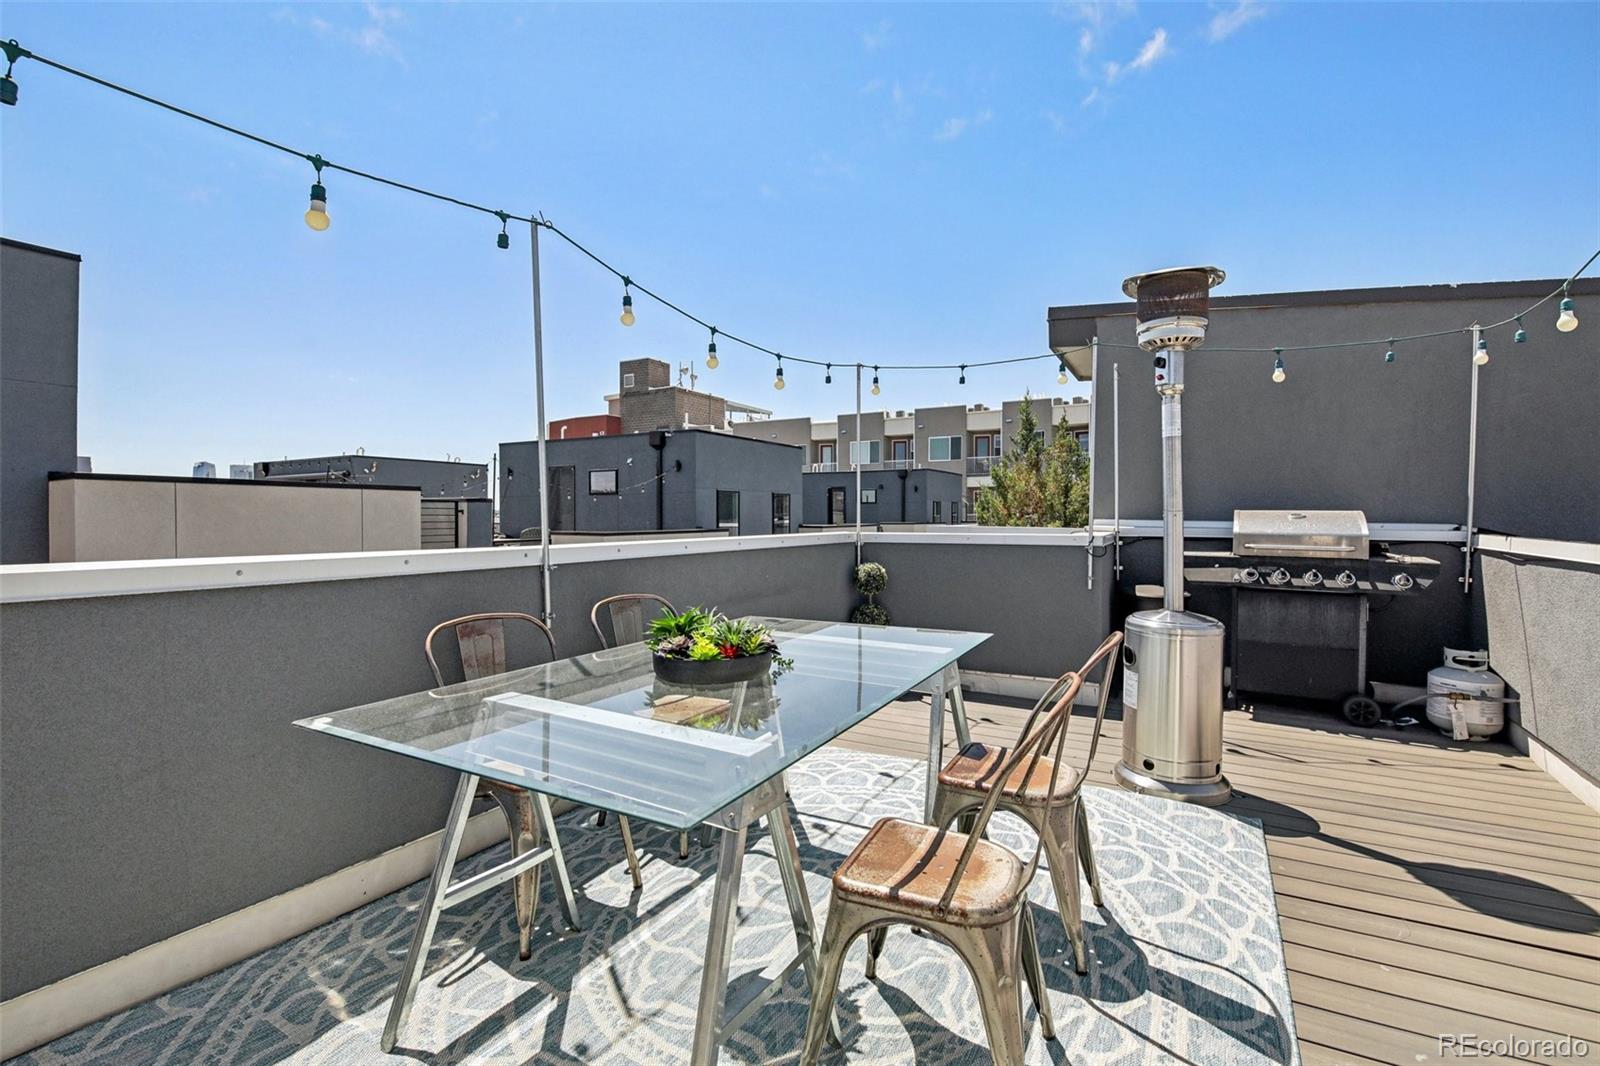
x: 875, y: 389
x: 8, y: 88
x: 711, y: 351
x: 827, y: 377
x: 1521, y: 336
x: 1061, y: 378
x: 317, y: 213
x: 317, y: 217
x: 627, y: 303
x: 1481, y: 356
x: 504, y: 240
x: 1567, y: 321
x: 963, y: 380
x: 1388, y: 356
x: 777, y: 382
x: 1278, y: 373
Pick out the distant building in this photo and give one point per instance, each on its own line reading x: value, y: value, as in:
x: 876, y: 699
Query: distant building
x: 661, y: 480
x: 921, y: 496
x: 241, y: 472
x: 205, y: 469
x: 447, y: 478
x: 648, y: 399
x: 961, y: 439
x: 585, y: 426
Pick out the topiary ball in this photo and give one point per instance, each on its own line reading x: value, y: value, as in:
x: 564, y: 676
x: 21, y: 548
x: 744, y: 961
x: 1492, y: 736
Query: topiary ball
x: 871, y: 578
x: 871, y: 614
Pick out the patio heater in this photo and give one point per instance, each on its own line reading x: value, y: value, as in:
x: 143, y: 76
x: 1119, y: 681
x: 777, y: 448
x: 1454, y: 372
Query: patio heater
x: 1172, y: 658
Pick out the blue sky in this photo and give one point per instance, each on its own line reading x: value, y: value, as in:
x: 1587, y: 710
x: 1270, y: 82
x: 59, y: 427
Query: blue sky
x: 888, y: 183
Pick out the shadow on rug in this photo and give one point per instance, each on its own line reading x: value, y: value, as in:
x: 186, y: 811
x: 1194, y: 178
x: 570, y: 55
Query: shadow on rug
x: 1187, y: 965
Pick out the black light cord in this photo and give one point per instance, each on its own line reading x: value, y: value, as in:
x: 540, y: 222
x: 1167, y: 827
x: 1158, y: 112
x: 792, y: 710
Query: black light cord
x: 15, y: 51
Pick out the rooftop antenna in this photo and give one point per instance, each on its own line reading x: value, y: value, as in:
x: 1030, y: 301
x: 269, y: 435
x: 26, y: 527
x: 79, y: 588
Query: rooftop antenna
x: 687, y: 370
x: 1172, y: 659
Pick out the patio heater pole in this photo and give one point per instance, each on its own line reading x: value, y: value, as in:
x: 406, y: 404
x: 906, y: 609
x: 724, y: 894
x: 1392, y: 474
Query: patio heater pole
x: 1472, y: 462
x: 548, y: 611
x: 857, y: 463
x: 1094, y: 378
x: 1172, y: 658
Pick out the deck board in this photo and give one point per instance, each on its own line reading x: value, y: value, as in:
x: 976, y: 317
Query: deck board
x: 1424, y: 886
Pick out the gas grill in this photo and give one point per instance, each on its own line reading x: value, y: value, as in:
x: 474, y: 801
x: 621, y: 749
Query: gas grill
x: 1311, y: 646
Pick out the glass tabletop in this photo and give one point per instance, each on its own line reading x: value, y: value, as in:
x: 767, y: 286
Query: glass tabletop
x: 602, y: 730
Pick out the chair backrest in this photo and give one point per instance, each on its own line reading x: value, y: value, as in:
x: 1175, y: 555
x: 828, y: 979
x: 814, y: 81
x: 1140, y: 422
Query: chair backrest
x: 629, y: 616
x: 1044, y: 734
x: 481, y: 639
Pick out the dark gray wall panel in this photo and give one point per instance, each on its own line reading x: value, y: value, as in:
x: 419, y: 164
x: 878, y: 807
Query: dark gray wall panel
x: 1540, y: 620
x: 150, y: 779
x: 38, y: 392
x: 1032, y: 598
x: 1347, y: 430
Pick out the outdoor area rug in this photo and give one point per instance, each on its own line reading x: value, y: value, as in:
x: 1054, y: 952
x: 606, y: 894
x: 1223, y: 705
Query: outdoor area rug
x: 1187, y: 965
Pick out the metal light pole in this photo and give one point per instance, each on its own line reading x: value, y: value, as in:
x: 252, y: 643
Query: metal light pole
x: 1472, y: 463
x: 856, y: 462
x: 549, y: 613
x: 1094, y: 380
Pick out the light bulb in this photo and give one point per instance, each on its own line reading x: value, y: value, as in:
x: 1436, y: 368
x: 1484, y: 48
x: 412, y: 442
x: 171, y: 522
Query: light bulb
x: 1567, y: 321
x: 777, y: 382
x: 827, y: 377
x: 1481, y: 356
x: 1278, y: 374
x: 627, y: 310
x: 503, y: 241
x: 711, y: 356
x: 1388, y: 356
x: 317, y: 213
x: 1521, y: 335
x: 1061, y: 378
x: 963, y: 380
x: 875, y: 389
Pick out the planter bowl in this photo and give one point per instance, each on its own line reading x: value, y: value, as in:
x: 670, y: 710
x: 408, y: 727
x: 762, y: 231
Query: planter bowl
x: 712, y: 671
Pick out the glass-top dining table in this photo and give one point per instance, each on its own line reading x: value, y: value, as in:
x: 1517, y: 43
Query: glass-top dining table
x: 601, y: 730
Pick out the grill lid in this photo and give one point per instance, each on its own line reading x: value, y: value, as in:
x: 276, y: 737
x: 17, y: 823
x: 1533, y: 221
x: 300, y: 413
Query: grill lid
x: 1302, y: 534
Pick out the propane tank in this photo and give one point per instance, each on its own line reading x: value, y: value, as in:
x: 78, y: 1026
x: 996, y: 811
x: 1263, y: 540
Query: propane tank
x: 1465, y: 697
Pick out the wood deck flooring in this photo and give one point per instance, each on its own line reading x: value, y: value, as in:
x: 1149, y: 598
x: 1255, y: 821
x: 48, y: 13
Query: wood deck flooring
x: 1423, y: 886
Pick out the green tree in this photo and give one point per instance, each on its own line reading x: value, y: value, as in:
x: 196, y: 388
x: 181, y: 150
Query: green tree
x: 1034, y: 483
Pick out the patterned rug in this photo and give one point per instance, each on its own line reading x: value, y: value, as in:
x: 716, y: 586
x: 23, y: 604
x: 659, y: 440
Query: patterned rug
x: 1187, y: 965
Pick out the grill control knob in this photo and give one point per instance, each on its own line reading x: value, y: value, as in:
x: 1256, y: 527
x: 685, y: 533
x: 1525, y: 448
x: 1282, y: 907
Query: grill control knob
x: 1344, y: 579
x: 1249, y: 576
x: 1280, y: 576
x: 1402, y: 581
x: 1312, y: 577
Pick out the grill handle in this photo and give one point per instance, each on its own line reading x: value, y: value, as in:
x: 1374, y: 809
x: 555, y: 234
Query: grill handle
x: 1301, y: 547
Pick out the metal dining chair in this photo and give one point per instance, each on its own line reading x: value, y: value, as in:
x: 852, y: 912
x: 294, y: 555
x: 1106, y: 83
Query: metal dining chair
x: 1046, y: 796
x: 481, y: 640
x: 628, y: 618
x: 959, y: 888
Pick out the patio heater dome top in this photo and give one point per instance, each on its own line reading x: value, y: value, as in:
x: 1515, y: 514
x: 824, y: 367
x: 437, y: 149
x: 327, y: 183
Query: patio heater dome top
x: 1173, y: 305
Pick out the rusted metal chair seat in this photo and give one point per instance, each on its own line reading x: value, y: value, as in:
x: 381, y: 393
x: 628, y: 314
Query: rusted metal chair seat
x: 905, y: 866
x: 966, y: 891
x: 1048, y: 796
x: 975, y: 768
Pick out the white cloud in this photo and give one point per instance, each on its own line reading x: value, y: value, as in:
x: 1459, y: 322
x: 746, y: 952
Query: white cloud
x: 1225, y: 24
x: 373, y: 36
x: 957, y: 125
x: 877, y: 37
x: 1090, y: 97
x: 1152, y: 52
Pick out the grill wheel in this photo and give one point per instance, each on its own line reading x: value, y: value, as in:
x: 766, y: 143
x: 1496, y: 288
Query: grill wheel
x: 1362, y: 710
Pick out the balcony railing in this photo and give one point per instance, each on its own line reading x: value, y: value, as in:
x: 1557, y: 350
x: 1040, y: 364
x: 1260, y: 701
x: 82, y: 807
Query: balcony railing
x: 821, y: 468
x: 979, y: 464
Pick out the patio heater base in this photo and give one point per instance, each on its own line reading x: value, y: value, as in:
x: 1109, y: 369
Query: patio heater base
x: 1205, y: 793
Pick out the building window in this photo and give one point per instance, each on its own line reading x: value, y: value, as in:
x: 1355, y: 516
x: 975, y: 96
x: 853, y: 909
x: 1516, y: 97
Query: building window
x: 1083, y: 437
x: 627, y: 381
x: 728, y: 511
x: 869, y: 495
x: 981, y: 445
x: 602, y: 482
x: 955, y: 511
x: 836, y: 507
x: 780, y: 512
x: 944, y: 449
x: 825, y: 454
x: 938, y: 511
x: 866, y: 451
x: 900, y: 451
